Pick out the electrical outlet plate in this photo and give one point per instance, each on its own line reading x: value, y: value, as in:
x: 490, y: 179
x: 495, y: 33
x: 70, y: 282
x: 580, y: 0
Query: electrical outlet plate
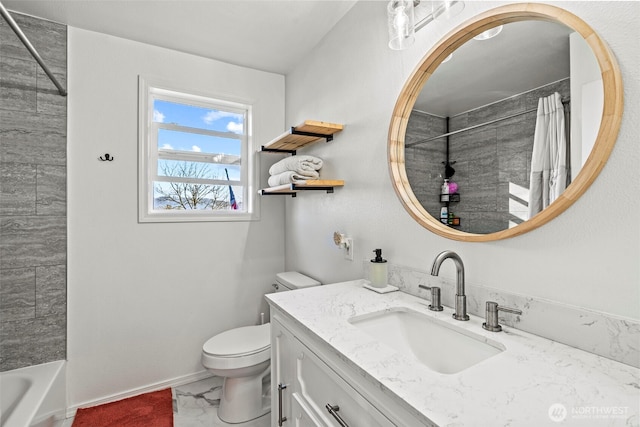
x: 348, y: 254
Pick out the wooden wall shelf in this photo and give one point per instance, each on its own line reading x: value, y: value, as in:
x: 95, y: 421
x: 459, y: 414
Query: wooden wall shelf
x: 314, y: 184
x: 298, y: 136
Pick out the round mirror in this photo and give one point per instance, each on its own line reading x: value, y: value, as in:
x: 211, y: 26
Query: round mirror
x: 478, y: 113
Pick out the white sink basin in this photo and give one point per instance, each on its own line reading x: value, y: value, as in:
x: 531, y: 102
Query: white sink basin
x: 436, y: 344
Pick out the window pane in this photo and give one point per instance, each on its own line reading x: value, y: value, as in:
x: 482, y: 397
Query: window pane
x: 197, y: 143
x: 197, y: 159
x: 199, y: 170
x: 197, y: 117
x: 187, y: 196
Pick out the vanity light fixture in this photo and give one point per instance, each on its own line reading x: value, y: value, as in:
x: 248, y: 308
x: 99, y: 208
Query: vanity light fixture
x: 447, y: 9
x: 490, y: 33
x: 405, y: 17
x: 401, y: 24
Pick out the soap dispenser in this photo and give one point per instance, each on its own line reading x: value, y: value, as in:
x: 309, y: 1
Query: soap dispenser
x: 378, y: 270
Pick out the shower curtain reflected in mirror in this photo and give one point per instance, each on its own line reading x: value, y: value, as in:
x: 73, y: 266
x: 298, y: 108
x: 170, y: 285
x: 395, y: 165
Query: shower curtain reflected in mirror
x: 549, y: 171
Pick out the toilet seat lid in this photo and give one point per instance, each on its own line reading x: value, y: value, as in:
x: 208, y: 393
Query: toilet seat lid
x: 239, y: 341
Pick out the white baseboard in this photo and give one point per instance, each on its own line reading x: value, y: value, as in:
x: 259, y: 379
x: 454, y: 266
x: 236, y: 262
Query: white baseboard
x: 173, y: 382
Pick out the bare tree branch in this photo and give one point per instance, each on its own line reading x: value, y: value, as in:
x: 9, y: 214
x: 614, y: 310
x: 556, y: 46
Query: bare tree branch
x: 184, y: 195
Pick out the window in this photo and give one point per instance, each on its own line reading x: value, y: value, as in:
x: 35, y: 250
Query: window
x: 195, y: 157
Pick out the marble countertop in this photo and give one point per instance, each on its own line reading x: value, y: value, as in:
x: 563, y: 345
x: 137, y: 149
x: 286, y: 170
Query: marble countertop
x: 534, y: 382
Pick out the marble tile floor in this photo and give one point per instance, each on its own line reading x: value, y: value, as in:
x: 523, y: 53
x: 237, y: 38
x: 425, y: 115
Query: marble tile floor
x: 196, y: 405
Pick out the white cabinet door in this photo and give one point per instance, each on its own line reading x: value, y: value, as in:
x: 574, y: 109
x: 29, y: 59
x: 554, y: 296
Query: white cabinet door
x: 315, y: 378
x: 282, y: 373
x: 301, y: 415
x: 333, y: 401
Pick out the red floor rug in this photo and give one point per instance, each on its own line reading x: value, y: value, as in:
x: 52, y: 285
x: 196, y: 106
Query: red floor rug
x: 153, y: 409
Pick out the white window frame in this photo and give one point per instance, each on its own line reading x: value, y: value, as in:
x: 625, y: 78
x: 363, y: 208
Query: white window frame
x: 149, y: 153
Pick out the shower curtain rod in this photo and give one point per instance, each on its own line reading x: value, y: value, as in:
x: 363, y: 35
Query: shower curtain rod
x: 411, y: 144
x: 16, y: 29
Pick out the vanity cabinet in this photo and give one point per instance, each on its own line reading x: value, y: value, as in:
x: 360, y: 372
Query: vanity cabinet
x: 309, y: 389
x: 303, y: 417
x: 282, y: 373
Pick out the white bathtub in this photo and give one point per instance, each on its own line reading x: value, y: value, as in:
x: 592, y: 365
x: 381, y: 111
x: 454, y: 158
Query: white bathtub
x: 34, y: 396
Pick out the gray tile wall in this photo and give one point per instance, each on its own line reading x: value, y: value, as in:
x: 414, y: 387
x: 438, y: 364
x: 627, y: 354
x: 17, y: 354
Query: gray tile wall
x: 33, y: 175
x: 424, y: 162
x: 488, y: 159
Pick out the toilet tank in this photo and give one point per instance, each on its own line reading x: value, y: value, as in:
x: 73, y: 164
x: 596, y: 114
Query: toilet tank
x: 290, y: 280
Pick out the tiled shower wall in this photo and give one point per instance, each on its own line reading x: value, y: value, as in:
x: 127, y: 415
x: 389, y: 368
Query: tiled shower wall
x: 33, y: 242
x: 490, y: 160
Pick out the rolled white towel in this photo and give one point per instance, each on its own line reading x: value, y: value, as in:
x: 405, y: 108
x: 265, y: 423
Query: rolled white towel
x: 303, y: 165
x: 289, y: 177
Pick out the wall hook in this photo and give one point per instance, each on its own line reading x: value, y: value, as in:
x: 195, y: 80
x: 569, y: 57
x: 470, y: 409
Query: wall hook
x: 107, y: 158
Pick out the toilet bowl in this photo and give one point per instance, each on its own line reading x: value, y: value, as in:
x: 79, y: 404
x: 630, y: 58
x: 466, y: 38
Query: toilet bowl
x: 242, y: 356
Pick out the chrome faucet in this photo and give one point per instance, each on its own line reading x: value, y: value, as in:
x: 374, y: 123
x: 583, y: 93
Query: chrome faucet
x: 461, y: 298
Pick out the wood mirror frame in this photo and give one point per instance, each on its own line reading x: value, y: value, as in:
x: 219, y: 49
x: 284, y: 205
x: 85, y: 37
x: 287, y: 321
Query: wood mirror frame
x: 605, y: 140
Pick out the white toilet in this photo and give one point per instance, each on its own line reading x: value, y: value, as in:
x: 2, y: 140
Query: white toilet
x: 242, y: 356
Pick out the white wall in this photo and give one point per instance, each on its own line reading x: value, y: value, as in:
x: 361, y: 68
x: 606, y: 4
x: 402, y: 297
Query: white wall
x: 143, y: 298
x: 586, y: 257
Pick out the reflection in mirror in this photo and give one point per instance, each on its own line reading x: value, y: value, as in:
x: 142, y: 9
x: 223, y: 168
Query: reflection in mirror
x: 477, y: 117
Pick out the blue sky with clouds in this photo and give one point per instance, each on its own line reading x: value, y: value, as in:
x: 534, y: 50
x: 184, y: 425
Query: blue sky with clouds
x: 201, y: 118
x: 197, y: 117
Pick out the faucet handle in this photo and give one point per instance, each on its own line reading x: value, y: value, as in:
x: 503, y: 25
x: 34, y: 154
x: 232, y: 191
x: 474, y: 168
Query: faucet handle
x: 491, y: 315
x: 435, y: 297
